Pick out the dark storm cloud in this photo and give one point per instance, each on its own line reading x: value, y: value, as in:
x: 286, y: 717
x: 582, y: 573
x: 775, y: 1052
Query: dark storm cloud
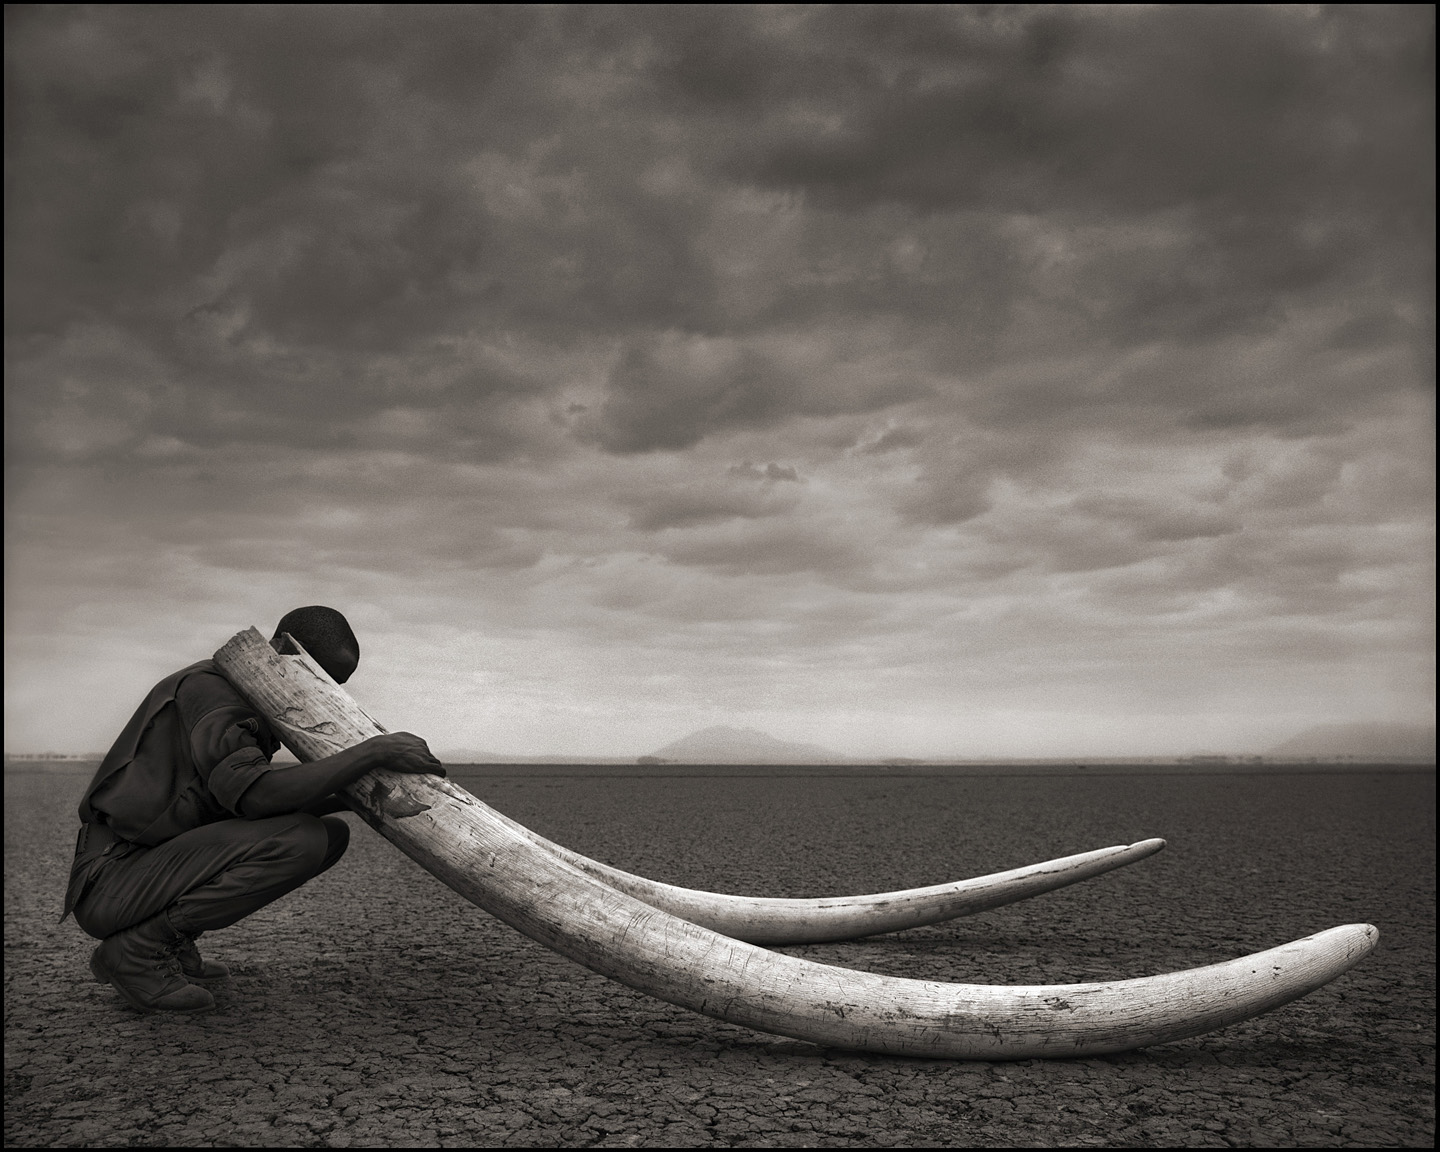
x: 148, y: 145
x: 672, y: 391
x: 1268, y: 149
x: 269, y: 200
x: 265, y: 200
x: 1120, y: 108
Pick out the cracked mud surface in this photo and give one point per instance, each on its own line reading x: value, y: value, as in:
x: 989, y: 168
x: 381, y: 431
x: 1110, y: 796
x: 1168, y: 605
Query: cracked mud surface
x: 375, y: 1008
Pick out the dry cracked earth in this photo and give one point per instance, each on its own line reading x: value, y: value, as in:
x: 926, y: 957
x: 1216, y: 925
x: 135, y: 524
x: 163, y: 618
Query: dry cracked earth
x: 375, y: 1008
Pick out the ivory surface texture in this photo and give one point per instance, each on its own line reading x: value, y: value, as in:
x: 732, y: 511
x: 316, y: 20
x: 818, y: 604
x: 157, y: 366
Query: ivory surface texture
x: 479, y: 854
x: 774, y: 920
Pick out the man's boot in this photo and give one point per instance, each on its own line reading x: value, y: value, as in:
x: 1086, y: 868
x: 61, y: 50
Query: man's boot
x: 195, y: 967
x: 142, y: 965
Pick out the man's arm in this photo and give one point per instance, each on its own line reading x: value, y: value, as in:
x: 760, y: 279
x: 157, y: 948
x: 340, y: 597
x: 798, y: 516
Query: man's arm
x: 298, y: 787
x: 326, y: 805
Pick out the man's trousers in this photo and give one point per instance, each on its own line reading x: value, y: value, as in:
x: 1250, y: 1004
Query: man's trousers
x: 211, y: 876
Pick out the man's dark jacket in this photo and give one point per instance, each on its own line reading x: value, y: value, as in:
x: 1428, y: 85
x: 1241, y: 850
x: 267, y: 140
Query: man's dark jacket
x: 150, y: 775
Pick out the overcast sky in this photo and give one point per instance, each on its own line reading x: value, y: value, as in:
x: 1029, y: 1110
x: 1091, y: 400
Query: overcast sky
x: 968, y: 381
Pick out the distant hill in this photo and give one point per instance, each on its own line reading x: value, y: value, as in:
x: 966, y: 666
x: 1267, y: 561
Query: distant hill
x: 722, y: 745
x: 1376, y: 740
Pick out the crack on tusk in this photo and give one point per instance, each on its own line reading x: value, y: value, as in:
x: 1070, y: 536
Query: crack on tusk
x: 397, y: 807
x: 323, y: 728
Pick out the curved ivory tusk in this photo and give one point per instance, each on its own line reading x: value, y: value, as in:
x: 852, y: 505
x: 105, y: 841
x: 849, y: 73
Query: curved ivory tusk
x: 771, y: 920
x: 468, y: 846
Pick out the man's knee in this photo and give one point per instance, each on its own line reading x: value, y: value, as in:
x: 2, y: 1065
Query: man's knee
x: 337, y: 839
x: 307, y: 839
x: 322, y: 840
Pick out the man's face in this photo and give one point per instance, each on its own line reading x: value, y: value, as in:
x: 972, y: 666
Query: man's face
x: 340, y: 664
x: 343, y: 666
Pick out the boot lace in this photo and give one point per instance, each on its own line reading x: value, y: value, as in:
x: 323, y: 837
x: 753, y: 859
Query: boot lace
x: 169, y: 956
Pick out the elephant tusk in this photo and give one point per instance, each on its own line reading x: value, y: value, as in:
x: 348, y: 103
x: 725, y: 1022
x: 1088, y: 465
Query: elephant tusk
x: 471, y: 848
x: 775, y: 921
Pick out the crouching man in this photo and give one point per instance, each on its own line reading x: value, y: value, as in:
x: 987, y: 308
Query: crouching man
x: 187, y: 827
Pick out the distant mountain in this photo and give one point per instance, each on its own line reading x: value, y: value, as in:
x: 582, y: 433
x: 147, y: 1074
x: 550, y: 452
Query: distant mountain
x: 1378, y: 740
x: 722, y: 745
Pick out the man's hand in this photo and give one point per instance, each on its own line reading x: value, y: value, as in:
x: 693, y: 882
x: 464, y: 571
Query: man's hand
x: 403, y: 752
